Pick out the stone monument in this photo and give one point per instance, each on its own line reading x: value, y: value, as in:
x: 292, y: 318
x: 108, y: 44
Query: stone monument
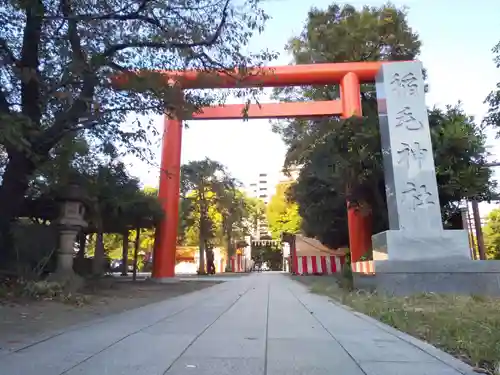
x: 416, y: 254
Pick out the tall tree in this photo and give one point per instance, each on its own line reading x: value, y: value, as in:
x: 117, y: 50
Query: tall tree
x: 199, y: 182
x: 234, y: 208
x: 342, y: 159
x: 256, y: 212
x: 58, y: 63
x: 282, y: 213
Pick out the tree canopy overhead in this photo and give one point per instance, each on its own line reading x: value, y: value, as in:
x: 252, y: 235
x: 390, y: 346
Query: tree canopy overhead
x: 58, y: 58
x: 341, y: 159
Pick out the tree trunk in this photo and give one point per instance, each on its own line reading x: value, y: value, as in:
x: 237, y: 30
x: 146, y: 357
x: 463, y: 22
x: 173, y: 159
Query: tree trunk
x: 98, y: 263
x: 201, y: 266
x: 479, y: 230
x: 136, y: 252
x: 125, y: 254
x: 230, y: 247
x: 15, y: 182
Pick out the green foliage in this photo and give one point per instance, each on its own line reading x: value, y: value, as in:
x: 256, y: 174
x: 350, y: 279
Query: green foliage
x: 256, y: 211
x: 282, y: 213
x: 493, y: 99
x: 58, y: 86
x: 213, y: 212
x: 342, y: 159
x: 199, y: 181
x: 270, y: 254
x: 491, y: 232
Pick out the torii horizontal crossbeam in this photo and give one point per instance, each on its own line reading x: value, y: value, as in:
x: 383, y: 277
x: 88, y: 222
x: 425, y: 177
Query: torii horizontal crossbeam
x: 271, y: 110
x: 279, y: 76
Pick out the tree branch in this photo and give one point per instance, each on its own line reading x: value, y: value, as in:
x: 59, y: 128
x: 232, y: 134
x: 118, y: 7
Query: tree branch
x: 29, y: 62
x: 179, y: 45
x: 4, y: 104
x: 65, y: 121
x: 7, y: 52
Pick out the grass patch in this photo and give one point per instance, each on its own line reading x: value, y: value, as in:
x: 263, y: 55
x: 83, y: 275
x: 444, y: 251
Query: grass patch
x: 467, y: 327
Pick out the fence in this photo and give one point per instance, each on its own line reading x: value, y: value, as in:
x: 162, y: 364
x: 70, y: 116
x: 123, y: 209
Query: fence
x: 363, y: 267
x: 319, y: 264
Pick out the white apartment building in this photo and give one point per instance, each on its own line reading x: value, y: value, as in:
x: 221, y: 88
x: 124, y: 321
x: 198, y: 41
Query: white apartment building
x: 264, y: 187
x: 260, y: 188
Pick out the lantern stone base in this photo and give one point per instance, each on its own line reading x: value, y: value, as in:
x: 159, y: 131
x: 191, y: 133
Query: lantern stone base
x: 65, y: 275
x: 69, y: 281
x: 461, y: 277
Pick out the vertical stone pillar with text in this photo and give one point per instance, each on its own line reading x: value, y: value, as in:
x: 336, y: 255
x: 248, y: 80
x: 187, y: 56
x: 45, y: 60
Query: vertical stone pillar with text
x: 415, y: 225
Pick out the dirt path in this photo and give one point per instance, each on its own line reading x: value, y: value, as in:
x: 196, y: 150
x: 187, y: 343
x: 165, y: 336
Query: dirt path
x: 22, y: 318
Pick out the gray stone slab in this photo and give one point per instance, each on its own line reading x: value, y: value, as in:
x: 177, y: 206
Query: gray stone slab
x: 411, y: 277
x: 306, y: 333
x: 417, y: 368
x: 411, y: 186
x: 422, y: 345
x: 360, y: 327
x: 415, y: 224
x: 228, y: 347
x: 217, y: 366
x: 306, y: 356
x: 138, y: 354
x: 285, y: 324
x: 60, y: 353
x: 442, y: 266
x: 405, y: 245
x: 367, y: 348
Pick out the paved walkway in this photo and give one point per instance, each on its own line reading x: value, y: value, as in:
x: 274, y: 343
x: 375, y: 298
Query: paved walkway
x: 255, y: 325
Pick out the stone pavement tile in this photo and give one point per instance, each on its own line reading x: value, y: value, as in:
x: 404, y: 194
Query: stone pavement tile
x: 334, y: 317
x: 297, y: 356
x: 428, y: 348
x: 225, y: 347
x: 131, y: 320
x: 139, y: 354
x: 289, y: 319
x: 192, y: 320
x: 245, y: 319
x: 349, y: 326
x: 217, y: 366
x: 370, y: 348
x: 407, y: 368
x: 62, y: 352
x: 66, y: 350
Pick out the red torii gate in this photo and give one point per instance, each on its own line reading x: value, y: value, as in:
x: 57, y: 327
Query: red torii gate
x: 347, y: 75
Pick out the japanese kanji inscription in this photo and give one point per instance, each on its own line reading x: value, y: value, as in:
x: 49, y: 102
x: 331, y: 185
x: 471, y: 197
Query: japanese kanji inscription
x: 412, y: 195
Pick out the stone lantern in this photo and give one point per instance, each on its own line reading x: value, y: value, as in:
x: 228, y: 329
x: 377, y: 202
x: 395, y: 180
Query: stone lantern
x: 73, y: 203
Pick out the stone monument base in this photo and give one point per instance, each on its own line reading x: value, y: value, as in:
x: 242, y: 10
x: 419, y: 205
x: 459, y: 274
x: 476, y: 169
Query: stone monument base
x: 403, y: 278
x: 409, y: 245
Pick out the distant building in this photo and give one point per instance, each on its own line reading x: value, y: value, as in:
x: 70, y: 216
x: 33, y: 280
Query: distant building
x: 263, y: 188
x: 259, y: 188
x: 291, y: 175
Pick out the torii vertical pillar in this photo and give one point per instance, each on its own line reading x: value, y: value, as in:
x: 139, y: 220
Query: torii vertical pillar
x: 360, y: 226
x: 168, y: 193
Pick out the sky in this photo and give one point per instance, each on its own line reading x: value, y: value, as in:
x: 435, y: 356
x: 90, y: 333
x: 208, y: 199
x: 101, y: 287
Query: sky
x: 457, y: 38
